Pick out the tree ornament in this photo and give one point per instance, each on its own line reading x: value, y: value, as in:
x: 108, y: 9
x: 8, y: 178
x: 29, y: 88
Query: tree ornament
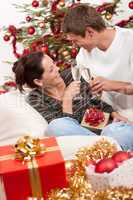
x: 35, y: 3
x: 54, y: 6
x: 65, y: 53
x: 120, y: 156
x: 122, y: 23
x: 41, y: 24
x: 105, y: 165
x: 74, y: 52
x: 6, y: 38
x: 100, y: 9
x: 25, y: 52
x: 61, y: 4
x: 44, y: 48
x: 130, y: 5
x: 12, y: 29
x: 45, y: 2
x: 108, y: 16
x: 31, y: 30
x: 28, y: 18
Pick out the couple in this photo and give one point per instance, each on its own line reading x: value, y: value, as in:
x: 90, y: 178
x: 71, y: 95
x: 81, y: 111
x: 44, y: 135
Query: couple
x: 53, y: 93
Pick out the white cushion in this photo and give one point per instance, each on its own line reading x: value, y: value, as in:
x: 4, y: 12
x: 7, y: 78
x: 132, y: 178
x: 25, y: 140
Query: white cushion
x: 18, y: 118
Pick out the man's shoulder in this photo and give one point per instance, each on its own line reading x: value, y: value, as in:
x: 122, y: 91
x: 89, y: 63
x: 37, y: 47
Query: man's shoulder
x: 125, y: 32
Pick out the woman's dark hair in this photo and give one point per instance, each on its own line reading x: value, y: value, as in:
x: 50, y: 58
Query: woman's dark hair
x: 28, y: 68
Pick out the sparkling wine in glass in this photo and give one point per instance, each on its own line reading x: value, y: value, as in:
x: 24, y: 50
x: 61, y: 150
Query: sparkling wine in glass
x: 86, y: 74
x: 76, y: 74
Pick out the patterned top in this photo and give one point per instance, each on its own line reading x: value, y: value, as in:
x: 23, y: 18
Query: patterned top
x: 51, y: 108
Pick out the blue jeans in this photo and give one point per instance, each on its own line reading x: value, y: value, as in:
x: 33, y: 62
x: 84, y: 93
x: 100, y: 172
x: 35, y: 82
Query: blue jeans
x: 122, y: 133
x: 66, y: 126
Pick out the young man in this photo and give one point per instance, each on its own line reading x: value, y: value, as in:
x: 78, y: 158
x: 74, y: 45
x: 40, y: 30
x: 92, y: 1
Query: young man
x: 106, y: 51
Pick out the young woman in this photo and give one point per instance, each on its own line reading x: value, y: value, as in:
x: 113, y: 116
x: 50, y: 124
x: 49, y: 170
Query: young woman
x: 53, y: 94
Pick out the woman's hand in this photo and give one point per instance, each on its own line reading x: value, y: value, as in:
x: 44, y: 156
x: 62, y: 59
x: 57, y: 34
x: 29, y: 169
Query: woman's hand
x: 72, y: 90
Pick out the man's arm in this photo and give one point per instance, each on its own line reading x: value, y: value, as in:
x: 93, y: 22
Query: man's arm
x: 100, y: 84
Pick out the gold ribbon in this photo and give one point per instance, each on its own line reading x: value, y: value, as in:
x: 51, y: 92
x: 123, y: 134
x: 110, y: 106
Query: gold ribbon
x: 13, y: 156
x: 35, y: 179
x: 27, y: 149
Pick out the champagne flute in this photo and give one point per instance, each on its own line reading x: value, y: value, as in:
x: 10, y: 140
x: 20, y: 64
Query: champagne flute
x: 86, y: 74
x: 76, y: 74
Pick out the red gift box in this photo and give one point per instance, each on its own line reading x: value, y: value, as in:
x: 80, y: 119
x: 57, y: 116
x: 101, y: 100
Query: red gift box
x: 34, y: 178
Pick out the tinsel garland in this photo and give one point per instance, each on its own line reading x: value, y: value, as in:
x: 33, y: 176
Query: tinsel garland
x: 119, y: 193
x: 79, y: 187
x: 101, y: 149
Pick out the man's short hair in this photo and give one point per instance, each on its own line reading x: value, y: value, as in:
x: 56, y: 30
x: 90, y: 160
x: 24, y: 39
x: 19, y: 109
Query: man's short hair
x: 78, y: 18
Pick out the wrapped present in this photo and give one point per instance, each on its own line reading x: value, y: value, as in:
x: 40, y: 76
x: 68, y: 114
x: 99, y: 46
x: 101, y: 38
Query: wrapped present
x: 118, y: 175
x: 95, y: 120
x: 23, y: 174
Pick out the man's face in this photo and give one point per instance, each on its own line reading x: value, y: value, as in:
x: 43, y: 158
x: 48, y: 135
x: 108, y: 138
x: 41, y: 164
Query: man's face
x: 88, y: 42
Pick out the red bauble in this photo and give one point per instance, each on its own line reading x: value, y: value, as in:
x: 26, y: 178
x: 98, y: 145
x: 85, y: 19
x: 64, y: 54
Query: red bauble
x: 12, y: 29
x: 10, y: 84
x: 3, y: 91
x: 100, y: 9
x: 26, y: 52
x: 120, y: 156
x: 28, y: 18
x: 74, y: 52
x: 44, y: 48
x: 6, y: 38
x: 35, y: 3
x: 31, y: 30
x: 130, y: 5
x: 130, y: 154
x: 105, y: 165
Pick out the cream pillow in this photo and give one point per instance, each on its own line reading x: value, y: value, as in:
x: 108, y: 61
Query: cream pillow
x: 18, y: 118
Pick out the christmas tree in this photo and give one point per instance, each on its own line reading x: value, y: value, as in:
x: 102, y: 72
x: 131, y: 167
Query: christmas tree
x: 41, y: 29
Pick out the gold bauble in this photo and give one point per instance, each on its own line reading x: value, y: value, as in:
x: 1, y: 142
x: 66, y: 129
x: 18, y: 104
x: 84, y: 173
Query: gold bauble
x: 108, y: 16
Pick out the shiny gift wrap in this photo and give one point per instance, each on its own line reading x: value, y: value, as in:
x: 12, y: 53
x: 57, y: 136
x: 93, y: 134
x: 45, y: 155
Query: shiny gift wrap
x: 23, y: 175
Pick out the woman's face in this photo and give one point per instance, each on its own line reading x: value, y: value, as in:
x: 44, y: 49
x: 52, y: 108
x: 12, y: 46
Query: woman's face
x: 51, y: 76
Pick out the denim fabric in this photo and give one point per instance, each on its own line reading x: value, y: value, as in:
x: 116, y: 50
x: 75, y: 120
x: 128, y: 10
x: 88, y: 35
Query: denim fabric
x: 122, y: 133
x: 66, y: 126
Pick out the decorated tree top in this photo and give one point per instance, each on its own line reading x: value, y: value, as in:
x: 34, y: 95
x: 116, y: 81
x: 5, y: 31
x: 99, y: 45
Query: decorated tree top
x: 41, y: 28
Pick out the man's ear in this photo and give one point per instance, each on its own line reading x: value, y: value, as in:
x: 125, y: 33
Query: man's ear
x: 38, y: 82
x: 89, y: 31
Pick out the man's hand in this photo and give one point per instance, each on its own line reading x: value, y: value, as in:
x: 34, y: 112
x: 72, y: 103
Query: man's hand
x: 100, y: 84
x: 117, y: 118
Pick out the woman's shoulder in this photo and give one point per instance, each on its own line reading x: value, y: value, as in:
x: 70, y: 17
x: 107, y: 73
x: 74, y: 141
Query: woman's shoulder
x: 34, y: 95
